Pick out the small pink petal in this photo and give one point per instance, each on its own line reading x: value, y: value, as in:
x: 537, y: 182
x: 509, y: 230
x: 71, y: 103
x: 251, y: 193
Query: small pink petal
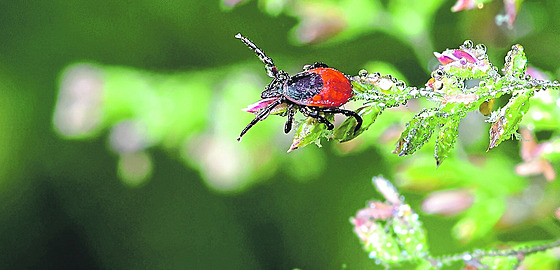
x: 375, y: 210
x: 537, y: 73
x: 379, y: 210
x: 464, y: 54
x: 536, y: 167
x: 387, y: 189
x: 512, y: 6
x: 532, y: 167
x: 548, y: 170
x: 443, y: 59
x: 257, y: 106
x: 529, y: 147
x: 463, y: 5
x: 231, y: 3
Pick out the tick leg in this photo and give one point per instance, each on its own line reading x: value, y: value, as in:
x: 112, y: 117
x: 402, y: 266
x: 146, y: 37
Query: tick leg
x: 271, y: 69
x: 260, y: 116
x: 347, y: 113
x: 291, y: 112
x: 315, y: 114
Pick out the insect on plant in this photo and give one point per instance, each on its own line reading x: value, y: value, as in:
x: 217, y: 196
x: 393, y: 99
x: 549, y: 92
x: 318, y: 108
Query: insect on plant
x: 315, y: 91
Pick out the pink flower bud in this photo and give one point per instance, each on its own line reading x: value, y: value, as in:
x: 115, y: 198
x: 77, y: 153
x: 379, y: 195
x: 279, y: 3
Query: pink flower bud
x: 448, y: 203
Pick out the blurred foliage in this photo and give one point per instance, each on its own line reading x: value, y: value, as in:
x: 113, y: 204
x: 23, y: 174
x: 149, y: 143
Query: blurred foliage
x: 393, y: 234
x: 161, y: 85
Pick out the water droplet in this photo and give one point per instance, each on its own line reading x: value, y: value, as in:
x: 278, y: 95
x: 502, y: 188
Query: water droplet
x: 372, y: 77
x: 468, y: 44
x: 527, y: 77
x: 363, y: 73
x: 481, y: 49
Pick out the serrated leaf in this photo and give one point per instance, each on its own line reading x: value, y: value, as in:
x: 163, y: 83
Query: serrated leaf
x: 345, y: 132
x: 446, y: 139
x: 418, y: 131
x: 507, y: 120
x: 308, y: 132
x: 516, y: 61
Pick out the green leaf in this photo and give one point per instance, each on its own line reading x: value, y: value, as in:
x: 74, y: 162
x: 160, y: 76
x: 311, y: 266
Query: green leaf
x: 410, y: 233
x: 418, y: 131
x: 446, y: 139
x: 466, y: 73
x: 506, y: 121
x: 345, y: 132
x: 544, y: 113
x: 308, y: 132
x: 386, y: 89
x: 516, y: 62
x: 543, y: 260
x: 382, y: 246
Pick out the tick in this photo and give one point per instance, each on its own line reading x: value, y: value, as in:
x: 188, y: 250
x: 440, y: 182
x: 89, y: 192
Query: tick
x: 317, y: 90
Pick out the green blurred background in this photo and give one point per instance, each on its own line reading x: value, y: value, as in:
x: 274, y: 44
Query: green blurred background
x: 188, y: 196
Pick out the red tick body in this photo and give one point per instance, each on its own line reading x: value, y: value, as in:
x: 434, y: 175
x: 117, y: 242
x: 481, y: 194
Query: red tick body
x: 336, y: 90
x: 320, y: 87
